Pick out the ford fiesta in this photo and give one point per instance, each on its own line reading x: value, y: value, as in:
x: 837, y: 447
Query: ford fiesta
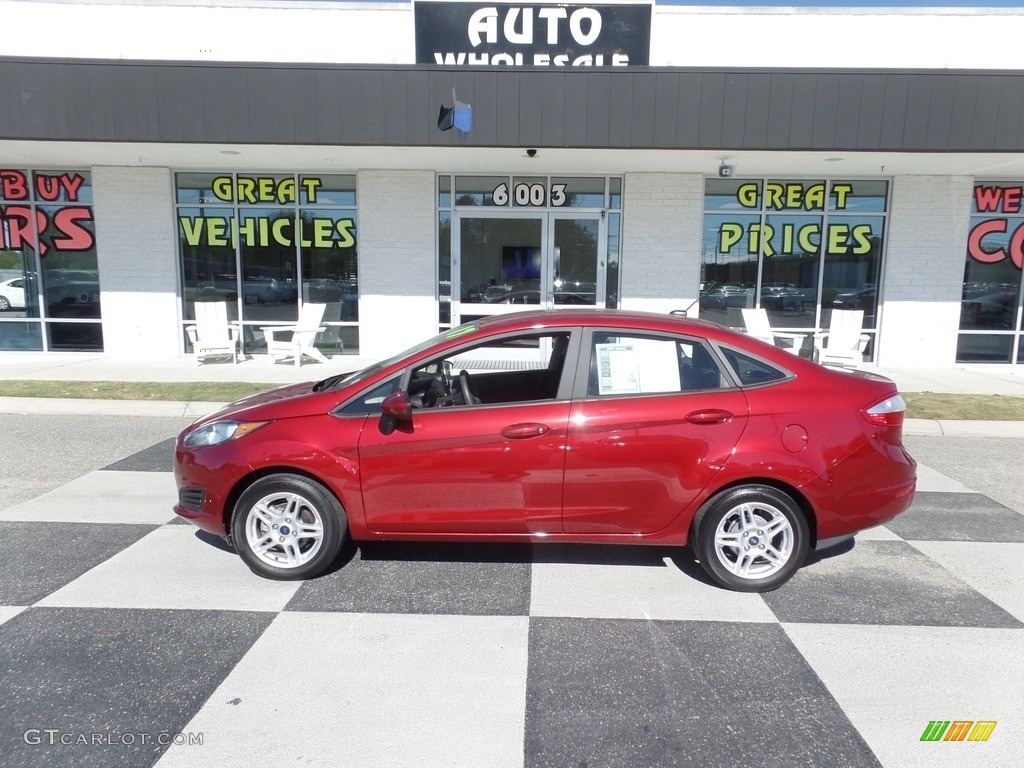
x: 584, y: 426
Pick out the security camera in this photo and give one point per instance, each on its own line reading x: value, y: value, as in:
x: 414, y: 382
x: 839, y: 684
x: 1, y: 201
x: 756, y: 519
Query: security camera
x: 726, y: 171
x: 531, y: 153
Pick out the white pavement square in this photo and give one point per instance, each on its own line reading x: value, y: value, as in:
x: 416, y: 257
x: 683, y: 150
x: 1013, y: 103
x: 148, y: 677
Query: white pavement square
x: 925, y: 674
x: 370, y: 690
x: 103, y: 497
x: 181, y: 571
x: 603, y: 591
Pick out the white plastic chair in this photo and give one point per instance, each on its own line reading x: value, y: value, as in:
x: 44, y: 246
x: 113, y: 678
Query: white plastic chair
x: 843, y: 343
x: 331, y: 337
x: 758, y: 326
x: 211, y: 334
x: 296, y: 341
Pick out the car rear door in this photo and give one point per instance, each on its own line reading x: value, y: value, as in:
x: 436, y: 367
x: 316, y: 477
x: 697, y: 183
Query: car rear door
x: 654, y: 419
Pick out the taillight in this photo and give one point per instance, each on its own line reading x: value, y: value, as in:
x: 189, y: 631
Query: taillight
x: 887, y: 413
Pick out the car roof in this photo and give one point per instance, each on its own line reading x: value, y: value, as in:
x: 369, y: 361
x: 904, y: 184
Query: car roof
x: 548, y: 318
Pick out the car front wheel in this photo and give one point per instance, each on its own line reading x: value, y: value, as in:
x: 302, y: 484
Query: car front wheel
x: 751, y: 539
x: 288, y: 527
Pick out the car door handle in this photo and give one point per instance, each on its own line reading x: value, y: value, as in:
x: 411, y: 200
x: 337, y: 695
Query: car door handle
x: 710, y: 416
x: 525, y: 430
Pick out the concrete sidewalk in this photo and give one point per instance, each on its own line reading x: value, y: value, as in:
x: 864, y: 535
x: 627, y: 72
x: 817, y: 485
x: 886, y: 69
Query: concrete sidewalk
x: 981, y: 380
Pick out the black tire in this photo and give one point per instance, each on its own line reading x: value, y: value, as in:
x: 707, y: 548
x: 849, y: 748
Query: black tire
x: 751, y: 538
x: 4, y: 304
x: 268, y: 512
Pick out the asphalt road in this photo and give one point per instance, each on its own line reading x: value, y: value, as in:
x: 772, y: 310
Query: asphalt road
x: 129, y: 639
x: 40, y: 453
x: 990, y: 465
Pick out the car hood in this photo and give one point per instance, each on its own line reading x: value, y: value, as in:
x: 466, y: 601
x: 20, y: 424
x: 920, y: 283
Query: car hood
x: 289, y: 401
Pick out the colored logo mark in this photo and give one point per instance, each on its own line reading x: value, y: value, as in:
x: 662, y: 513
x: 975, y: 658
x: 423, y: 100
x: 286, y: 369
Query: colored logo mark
x: 958, y: 730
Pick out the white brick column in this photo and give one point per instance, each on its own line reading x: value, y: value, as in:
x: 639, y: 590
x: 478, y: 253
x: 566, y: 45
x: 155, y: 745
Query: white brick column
x: 138, y: 263
x: 924, y: 270
x: 662, y: 221
x: 397, y: 260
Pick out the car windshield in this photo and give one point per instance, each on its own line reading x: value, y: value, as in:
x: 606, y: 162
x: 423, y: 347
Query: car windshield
x: 344, y: 379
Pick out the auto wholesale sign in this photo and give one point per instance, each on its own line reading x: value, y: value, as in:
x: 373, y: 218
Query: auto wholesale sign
x: 507, y: 34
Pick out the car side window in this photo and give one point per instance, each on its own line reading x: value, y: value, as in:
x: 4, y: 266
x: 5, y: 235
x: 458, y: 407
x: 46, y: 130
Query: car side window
x: 505, y: 370
x: 369, y: 402
x: 636, y: 364
x: 750, y: 370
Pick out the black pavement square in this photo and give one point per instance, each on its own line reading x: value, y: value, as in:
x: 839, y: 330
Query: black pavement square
x: 666, y: 693
x: 40, y: 558
x: 156, y: 458
x: 107, y: 688
x: 958, y: 517
x: 883, y: 582
x: 443, y: 578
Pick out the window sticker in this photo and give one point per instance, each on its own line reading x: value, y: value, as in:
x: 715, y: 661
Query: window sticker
x: 637, y: 365
x: 617, y: 369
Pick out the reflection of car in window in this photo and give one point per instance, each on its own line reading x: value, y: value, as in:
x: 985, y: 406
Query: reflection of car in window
x: 324, y: 290
x: 722, y: 296
x: 991, y: 310
x: 781, y: 298
x: 533, y: 297
x: 12, y: 294
x: 497, y: 293
x: 264, y: 290
x: 862, y: 299
x: 73, y: 300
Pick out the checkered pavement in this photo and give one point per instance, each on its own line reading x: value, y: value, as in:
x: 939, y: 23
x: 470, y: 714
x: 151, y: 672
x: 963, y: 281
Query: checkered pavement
x: 129, y: 638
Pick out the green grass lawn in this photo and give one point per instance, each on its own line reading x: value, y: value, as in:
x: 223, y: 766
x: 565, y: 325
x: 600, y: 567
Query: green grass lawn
x: 920, y: 405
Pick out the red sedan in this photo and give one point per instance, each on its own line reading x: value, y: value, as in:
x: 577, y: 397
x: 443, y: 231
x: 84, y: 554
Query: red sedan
x: 565, y: 426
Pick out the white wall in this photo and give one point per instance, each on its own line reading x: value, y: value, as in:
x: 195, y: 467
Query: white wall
x: 397, y: 232
x: 924, y: 270
x: 137, y: 259
x: 661, y: 239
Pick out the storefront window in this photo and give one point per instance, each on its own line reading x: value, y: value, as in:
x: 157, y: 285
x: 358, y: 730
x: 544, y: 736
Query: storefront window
x: 48, y: 266
x: 990, y: 310
x: 267, y: 244
x: 798, y: 248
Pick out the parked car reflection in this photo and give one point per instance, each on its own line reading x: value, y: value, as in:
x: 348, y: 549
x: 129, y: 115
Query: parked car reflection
x: 12, y: 294
x: 781, y: 298
x: 722, y: 296
x: 73, y: 299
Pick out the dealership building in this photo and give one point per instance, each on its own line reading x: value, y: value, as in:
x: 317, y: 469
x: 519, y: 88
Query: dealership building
x: 414, y: 165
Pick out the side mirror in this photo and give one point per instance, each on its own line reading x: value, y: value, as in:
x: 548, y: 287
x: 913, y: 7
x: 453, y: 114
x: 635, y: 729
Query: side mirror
x: 395, y: 411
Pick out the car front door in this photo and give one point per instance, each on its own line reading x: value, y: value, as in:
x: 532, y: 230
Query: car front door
x: 652, y: 424
x: 492, y: 467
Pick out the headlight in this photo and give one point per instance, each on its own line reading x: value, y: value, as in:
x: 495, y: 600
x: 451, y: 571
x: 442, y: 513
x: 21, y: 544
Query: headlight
x: 219, y: 432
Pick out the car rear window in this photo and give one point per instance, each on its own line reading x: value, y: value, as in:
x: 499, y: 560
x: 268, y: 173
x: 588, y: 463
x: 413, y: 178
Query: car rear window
x: 749, y: 370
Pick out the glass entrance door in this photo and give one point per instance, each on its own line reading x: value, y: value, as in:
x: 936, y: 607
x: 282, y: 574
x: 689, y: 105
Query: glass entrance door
x: 577, y: 271
x: 511, y: 261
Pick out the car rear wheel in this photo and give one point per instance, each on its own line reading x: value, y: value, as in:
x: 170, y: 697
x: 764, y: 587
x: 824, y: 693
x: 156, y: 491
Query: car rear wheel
x: 751, y: 539
x: 288, y: 527
x: 4, y: 304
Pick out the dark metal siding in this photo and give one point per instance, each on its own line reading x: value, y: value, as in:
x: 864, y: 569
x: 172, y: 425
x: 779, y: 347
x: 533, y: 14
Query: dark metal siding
x: 652, y: 108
